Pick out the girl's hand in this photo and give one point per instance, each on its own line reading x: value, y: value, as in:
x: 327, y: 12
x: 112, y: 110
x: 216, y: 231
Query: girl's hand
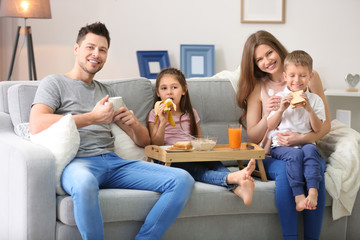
x: 163, y: 116
x: 273, y: 104
x: 287, y: 139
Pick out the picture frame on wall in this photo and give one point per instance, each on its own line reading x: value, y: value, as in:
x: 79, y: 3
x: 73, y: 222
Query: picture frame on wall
x: 197, y: 60
x: 152, y: 62
x: 262, y: 11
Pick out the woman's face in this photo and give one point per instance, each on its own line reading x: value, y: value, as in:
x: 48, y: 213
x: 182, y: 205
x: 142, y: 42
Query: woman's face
x: 267, y: 59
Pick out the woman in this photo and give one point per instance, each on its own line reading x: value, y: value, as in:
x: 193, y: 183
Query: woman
x: 261, y: 78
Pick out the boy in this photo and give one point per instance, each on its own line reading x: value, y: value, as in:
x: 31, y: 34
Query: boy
x: 301, y: 161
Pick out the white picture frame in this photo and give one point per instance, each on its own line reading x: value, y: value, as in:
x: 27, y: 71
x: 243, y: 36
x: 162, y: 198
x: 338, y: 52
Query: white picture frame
x: 262, y: 11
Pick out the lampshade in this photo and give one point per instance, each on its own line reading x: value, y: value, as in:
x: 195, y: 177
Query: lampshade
x: 25, y: 8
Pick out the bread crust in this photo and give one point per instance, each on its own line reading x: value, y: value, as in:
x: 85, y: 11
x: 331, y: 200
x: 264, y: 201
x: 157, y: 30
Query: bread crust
x: 182, y: 145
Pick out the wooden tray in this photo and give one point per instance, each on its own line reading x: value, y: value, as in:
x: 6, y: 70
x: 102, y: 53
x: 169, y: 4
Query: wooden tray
x: 219, y: 153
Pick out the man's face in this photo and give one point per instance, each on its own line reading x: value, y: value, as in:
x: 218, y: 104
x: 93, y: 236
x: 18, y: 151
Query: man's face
x: 91, y: 53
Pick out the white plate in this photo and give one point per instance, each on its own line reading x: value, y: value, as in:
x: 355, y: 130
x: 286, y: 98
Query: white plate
x: 166, y: 148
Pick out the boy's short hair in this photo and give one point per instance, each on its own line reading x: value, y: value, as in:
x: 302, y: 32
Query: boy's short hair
x: 97, y: 28
x: 299, y: 58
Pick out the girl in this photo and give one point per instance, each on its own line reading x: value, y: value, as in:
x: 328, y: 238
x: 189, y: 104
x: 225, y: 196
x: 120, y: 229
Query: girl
x: 171, y: 83
x: 262, y: 68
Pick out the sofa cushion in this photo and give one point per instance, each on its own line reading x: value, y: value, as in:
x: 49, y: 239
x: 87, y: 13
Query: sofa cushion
x: 63, y: 140
x: 4, y: 87
x: 134, y: 205
x: 124, y: 146
x: 20, y: 98
x: 137, y: 94
x: 223, y: 103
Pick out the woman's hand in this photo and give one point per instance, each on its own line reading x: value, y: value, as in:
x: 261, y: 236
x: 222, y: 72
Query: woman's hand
x: 287, y: 139
x: 273, y: 104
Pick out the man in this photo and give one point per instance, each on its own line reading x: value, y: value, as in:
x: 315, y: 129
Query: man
x: 95, y: 165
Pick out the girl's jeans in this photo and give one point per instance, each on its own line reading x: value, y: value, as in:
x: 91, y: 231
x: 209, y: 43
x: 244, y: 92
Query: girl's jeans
x: 207, y: 172
x: 83, y: 178
x: 276, y: 170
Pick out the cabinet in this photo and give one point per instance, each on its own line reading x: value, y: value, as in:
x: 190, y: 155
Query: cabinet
x: 344, y: 106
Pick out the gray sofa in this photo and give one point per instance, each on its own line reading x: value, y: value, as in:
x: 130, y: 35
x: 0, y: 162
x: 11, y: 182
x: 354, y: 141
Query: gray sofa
x: 30, y: 208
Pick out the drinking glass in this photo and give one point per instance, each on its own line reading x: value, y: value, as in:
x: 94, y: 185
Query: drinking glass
x: 234, y: 132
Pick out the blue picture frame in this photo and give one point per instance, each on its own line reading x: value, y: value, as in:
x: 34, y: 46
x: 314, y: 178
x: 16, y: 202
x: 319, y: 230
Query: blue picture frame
x: 197, y: 60
x: 151, y: 62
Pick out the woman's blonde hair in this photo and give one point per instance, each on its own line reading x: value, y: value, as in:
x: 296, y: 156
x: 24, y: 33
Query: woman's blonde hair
x: 250, y: 74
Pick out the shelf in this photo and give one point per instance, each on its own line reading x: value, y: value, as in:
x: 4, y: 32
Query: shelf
x: 341, y: 93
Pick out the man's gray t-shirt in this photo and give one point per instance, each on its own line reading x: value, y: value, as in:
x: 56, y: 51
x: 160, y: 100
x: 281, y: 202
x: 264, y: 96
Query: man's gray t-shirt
x: 66, y: 95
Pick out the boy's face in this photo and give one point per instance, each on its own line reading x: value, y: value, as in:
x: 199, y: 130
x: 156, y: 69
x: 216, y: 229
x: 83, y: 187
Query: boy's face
x: 297, y: 77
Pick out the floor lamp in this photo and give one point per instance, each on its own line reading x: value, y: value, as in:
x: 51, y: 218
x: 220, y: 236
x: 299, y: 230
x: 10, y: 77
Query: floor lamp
x: 25, y: 9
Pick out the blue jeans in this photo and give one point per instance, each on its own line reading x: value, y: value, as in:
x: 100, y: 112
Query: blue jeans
x: 285, y: 202
x: 83, y: 178
x: 208, y: 172
x: 303, y: 162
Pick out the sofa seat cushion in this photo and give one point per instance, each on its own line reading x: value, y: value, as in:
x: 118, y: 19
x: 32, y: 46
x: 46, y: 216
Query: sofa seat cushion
x: 206, y: 200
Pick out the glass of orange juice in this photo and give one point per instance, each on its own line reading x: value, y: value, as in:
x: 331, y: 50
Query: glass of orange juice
x: 234, y: 131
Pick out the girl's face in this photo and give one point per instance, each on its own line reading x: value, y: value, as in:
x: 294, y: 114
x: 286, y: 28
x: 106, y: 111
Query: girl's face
x: 170, y: 87
x: 267, y: 59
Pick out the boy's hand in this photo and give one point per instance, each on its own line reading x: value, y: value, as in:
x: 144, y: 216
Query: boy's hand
x: 307, y: 106
x: 285, y: 103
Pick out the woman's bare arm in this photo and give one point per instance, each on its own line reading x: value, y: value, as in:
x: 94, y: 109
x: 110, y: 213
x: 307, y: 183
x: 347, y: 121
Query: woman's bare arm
x: 256, y: 124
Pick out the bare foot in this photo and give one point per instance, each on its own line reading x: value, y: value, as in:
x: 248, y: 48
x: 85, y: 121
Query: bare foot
x: 250, y: 167
x: 245, y: 189
x: 312, y: 199
x: 301, y: 202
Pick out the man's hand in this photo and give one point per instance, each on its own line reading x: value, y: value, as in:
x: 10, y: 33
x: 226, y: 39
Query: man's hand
x: 102, y: 113
x: 124, y: 116
x: 129, y: 123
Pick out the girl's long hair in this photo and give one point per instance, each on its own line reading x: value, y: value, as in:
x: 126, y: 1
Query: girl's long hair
x: 250, y: 74
x: 185, y: 102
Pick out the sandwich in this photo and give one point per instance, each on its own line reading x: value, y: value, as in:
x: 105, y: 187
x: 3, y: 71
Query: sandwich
x: 297, y: 101
x: 184, y: 145
x: 168, y: 105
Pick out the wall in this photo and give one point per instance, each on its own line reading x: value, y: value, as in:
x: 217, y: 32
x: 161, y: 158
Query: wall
x: 324, y: 28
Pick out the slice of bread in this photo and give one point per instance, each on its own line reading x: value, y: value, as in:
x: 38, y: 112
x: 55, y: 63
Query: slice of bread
x: 183, y: 145
x: 297, y: 100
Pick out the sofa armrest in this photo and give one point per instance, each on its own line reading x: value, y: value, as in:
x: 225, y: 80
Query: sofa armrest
x: 27, y: 176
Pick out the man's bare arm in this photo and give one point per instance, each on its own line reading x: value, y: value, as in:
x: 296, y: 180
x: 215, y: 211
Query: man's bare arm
x: 43, y: 116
